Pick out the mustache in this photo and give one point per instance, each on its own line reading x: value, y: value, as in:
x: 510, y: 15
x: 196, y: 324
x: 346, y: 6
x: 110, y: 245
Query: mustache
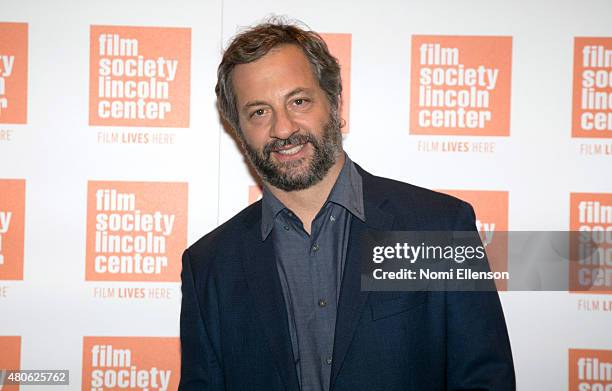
x: 294, y: 139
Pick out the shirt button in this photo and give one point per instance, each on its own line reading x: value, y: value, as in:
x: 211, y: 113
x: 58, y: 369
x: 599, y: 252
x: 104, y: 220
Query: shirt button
x: 286, y: 227
x: 332, y: 218
x: 315, y: 247
x: 328, y: 360
x: 322, y: 303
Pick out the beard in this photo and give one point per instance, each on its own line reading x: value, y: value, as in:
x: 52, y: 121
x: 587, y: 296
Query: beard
x: 292, y: 176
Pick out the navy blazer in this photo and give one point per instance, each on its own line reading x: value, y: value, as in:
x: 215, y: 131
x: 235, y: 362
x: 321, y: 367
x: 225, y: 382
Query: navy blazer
x: 234, y: 332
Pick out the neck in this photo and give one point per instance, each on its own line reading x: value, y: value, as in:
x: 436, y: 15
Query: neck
x: 307, y: 203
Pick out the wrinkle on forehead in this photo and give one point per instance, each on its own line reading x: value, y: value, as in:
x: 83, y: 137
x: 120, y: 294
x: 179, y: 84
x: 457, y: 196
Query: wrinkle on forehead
x: 274, y: 76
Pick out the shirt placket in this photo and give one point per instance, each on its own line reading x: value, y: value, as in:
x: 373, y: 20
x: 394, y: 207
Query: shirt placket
x: 323, y: 275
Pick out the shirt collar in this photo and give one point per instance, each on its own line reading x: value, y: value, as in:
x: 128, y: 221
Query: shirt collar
x: 270, y: 208
x: 347, y: 192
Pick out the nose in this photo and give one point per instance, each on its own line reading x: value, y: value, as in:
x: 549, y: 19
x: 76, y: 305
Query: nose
x: 283, y: 126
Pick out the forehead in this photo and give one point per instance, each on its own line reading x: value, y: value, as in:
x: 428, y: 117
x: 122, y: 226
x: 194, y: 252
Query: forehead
x: 283, y: 69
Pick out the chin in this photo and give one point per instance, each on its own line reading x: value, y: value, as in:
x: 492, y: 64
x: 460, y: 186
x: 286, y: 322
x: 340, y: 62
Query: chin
x: 295, y: 175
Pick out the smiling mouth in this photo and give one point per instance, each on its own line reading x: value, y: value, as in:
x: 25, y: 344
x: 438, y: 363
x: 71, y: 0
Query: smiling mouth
x: 291, y: 150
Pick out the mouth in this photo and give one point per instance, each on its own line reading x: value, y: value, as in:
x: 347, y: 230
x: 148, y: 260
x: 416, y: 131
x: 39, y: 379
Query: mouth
x: 290, y: 150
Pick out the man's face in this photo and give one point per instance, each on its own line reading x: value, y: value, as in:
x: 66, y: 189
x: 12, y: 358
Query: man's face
x: 288, y: 130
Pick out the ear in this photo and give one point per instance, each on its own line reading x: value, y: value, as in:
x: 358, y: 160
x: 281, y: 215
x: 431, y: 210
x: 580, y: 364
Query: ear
x: 342, y: 120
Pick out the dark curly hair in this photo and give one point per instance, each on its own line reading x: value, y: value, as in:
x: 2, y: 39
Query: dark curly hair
x: 255, y: 42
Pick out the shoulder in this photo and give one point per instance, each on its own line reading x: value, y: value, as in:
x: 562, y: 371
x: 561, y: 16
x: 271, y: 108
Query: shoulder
x: 226, y: 238
x: 426, y: 208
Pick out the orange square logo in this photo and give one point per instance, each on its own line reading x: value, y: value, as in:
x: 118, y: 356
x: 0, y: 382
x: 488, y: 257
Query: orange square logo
x: 139, y: 76
x: 460, y: 85
x: 491, y: 208
x: 12, y: 219
x: 592, y: 96
x: 136, y: 231
x: 13, y: 73
x: 590, y: 370
x: 9, y: 359
x: 339, y: 46
x: 130, y: 363
x: 591, y: 253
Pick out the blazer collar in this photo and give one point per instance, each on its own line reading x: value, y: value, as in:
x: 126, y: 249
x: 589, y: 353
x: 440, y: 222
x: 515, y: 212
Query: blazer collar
x: 352, y: 299
x: 259, y: 265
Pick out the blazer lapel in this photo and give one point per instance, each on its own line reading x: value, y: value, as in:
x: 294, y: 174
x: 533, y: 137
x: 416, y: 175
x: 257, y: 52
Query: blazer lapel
x: 352, y: 299
x: 264, y: 285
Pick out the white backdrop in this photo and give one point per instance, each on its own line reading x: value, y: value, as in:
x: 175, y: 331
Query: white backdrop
x: 59, y: 313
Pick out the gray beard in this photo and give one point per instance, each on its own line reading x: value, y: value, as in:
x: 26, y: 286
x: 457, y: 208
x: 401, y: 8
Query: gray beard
x: 325, y: 155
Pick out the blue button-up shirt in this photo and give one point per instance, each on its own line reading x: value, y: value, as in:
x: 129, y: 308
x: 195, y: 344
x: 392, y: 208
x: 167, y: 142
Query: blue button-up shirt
x: 310, y: 268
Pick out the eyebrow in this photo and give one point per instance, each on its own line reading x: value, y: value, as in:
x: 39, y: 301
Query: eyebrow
x: 294, y: 92
x: 254, y: 103
x: 297, y: 91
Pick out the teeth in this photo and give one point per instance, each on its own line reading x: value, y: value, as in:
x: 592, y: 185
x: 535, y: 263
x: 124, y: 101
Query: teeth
x: 291, y: 151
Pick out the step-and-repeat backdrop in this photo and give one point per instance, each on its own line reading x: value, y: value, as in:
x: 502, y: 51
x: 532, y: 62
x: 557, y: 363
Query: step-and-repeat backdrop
x: 113, y: 160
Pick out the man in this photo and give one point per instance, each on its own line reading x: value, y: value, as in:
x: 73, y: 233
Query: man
x: 272, y: 299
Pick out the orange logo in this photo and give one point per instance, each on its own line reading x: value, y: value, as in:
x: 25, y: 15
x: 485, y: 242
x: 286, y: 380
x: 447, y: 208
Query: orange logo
x: 591, y: 215
x: 13, y: 73
x: 139, y: 76
x: 592, y: 97
x: 590, y: 370
x: 136, y: 231
x: 130, y: 363
x: 460, y: 85
x: 255, y: 193
x: 340, y: 47
x: 491, y: 208
x: 12, y: 217
x: 9, y: 359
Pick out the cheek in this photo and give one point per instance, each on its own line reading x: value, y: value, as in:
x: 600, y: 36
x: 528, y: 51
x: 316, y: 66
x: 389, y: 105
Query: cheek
x: 313, y: 123
x: 256, y: 140
x: 255, y: 128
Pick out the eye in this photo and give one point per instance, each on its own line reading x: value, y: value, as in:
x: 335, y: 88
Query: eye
x: 301, y: 102
x: 258, y: 113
